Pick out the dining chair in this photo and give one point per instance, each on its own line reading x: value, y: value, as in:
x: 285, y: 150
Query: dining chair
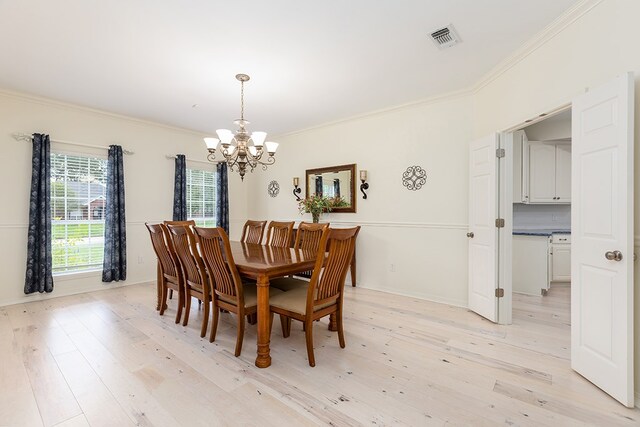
x: 229, y: 292
x: 170, y: 276
x: 186, y: 223
x: 325, y: 293
x: 279, y: 234
x: 308, y: 237
x: 196, y: 281
x: 252, y: 231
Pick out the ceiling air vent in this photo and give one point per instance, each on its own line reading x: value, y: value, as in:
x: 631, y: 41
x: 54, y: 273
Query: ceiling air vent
x: 445, y: 37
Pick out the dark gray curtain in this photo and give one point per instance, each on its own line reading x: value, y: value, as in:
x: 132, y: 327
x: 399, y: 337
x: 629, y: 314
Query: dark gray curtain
x: 180, y: 189
x: 39, y: 277
x: 114, y: 266
x: 222, y: 197
x: 318, y: 185
x: 336, y: 187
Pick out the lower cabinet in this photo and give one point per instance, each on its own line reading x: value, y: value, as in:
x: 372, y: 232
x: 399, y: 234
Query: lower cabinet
x: 561, y: 258
x: 531, y: 264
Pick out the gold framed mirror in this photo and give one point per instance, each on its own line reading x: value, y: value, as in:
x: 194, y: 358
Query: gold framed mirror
x: 334, y: 181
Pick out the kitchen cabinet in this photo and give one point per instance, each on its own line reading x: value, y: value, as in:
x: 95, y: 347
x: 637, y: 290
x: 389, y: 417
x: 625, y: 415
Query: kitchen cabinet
x: 549, y: 172
x: 530, y: 264
x: 520, y: 167
x: 561, y: 258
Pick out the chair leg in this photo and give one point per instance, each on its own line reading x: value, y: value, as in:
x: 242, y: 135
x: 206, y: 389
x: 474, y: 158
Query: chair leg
x: 240, y: 334
x: 187, y: 307
x: 170, y: 293
x: 340, y: 330
x: 180, y: 304
x: 252, y: 319
x: 308, y: 332
x: 214, y: 323
x: 205, y: 319
x: 163, y: 297
x: 285, y: 322
x: 158, y: 287
x: 270, y: 323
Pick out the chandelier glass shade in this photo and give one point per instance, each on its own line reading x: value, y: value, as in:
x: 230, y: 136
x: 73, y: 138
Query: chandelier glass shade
x: 240, y: 150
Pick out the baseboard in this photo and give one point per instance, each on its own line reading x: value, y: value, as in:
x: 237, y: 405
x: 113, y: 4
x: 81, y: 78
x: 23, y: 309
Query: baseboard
x: 65, y: 293
x: 422, y: 296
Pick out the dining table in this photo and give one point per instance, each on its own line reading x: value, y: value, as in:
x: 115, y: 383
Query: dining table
x: 263, y: 263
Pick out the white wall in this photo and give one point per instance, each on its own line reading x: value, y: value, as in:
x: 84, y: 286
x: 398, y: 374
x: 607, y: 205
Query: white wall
x: 148, y: 184
x: 422, y: 233
x: 580, y: 56
x: 430, y: 252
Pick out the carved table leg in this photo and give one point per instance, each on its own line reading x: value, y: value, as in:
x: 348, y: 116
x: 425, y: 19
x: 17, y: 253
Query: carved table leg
x: 264, y: 358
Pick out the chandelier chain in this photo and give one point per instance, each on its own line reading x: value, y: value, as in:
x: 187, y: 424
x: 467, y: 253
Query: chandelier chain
x: 242, y: 100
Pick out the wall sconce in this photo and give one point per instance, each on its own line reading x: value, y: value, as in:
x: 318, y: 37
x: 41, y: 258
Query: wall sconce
x: 364, y: 185
x: 297, y: 190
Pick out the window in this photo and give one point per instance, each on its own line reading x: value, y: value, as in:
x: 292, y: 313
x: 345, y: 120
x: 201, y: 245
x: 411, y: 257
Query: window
x: 78, y: 190
x: 201, y: 197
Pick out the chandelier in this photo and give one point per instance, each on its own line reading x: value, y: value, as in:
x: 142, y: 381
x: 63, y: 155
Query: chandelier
x: 240, y: 150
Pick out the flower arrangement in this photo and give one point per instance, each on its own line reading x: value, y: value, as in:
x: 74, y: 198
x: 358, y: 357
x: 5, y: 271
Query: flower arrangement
x: 316, y: 205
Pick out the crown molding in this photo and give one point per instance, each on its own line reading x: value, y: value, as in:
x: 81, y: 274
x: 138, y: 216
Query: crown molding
x: 424, y: 101
x: 563, y: 21
x: 49, y: 102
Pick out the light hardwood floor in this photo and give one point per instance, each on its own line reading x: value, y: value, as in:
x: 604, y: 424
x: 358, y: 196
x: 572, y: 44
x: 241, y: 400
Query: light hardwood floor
x: 108, y: 359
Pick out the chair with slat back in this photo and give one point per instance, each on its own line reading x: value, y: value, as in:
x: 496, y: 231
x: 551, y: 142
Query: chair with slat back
x: 279, y: 234
x: 169, y: 274
x: 196, y: 281
x: 308, y: 237
x: 252, y: 231
x: 325, y: 293
x: 229, y: 292
x: 187, y: 223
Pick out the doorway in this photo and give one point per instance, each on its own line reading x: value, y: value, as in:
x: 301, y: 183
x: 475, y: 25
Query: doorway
x: 600, y: 156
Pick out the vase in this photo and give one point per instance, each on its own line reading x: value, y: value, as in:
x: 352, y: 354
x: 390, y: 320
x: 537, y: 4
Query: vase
x: 316, y: 216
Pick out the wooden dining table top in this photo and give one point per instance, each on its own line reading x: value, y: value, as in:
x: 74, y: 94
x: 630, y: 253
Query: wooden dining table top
x: 253, y: 260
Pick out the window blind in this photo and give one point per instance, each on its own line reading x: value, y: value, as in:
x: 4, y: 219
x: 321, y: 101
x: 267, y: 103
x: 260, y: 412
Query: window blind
x: 201, y: 197
x: 78, y: 190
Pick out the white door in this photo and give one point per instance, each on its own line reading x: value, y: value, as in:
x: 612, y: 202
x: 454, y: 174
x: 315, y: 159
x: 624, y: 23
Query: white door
x: 542, y: 172
x: 563, y: 173
x: 483, y: 235
x: 602, y: 238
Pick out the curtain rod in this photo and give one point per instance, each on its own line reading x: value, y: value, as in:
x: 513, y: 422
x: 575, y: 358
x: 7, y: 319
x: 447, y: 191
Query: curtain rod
x: 206, y: 162
x: 29, y: 138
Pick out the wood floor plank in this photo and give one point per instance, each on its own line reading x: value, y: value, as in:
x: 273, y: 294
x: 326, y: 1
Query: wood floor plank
x: 92, y: 395
x: 55, y: 400
x: 407, y: 362
x: 78, y: 421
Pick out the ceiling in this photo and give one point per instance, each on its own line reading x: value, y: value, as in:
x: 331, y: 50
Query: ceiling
x: 309, y: 62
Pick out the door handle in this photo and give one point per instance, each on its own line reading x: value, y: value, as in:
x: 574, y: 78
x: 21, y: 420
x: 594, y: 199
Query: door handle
x: 470, y: 234
x: 613, y: 255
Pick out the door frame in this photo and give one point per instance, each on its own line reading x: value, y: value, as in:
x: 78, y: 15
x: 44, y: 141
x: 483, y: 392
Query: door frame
x: 505, y: 211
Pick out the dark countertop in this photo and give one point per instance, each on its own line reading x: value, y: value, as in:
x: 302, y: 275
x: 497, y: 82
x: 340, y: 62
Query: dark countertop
x: 547, y: 232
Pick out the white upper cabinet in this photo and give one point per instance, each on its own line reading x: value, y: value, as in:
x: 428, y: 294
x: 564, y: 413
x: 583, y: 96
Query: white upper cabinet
x: 563, y: 173
x: 542, y: 172
x: 545, y: 171
x: 520, y: 167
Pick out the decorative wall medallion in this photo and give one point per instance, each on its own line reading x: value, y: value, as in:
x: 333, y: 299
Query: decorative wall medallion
x: 274, y: 188
x: 414, y: 178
